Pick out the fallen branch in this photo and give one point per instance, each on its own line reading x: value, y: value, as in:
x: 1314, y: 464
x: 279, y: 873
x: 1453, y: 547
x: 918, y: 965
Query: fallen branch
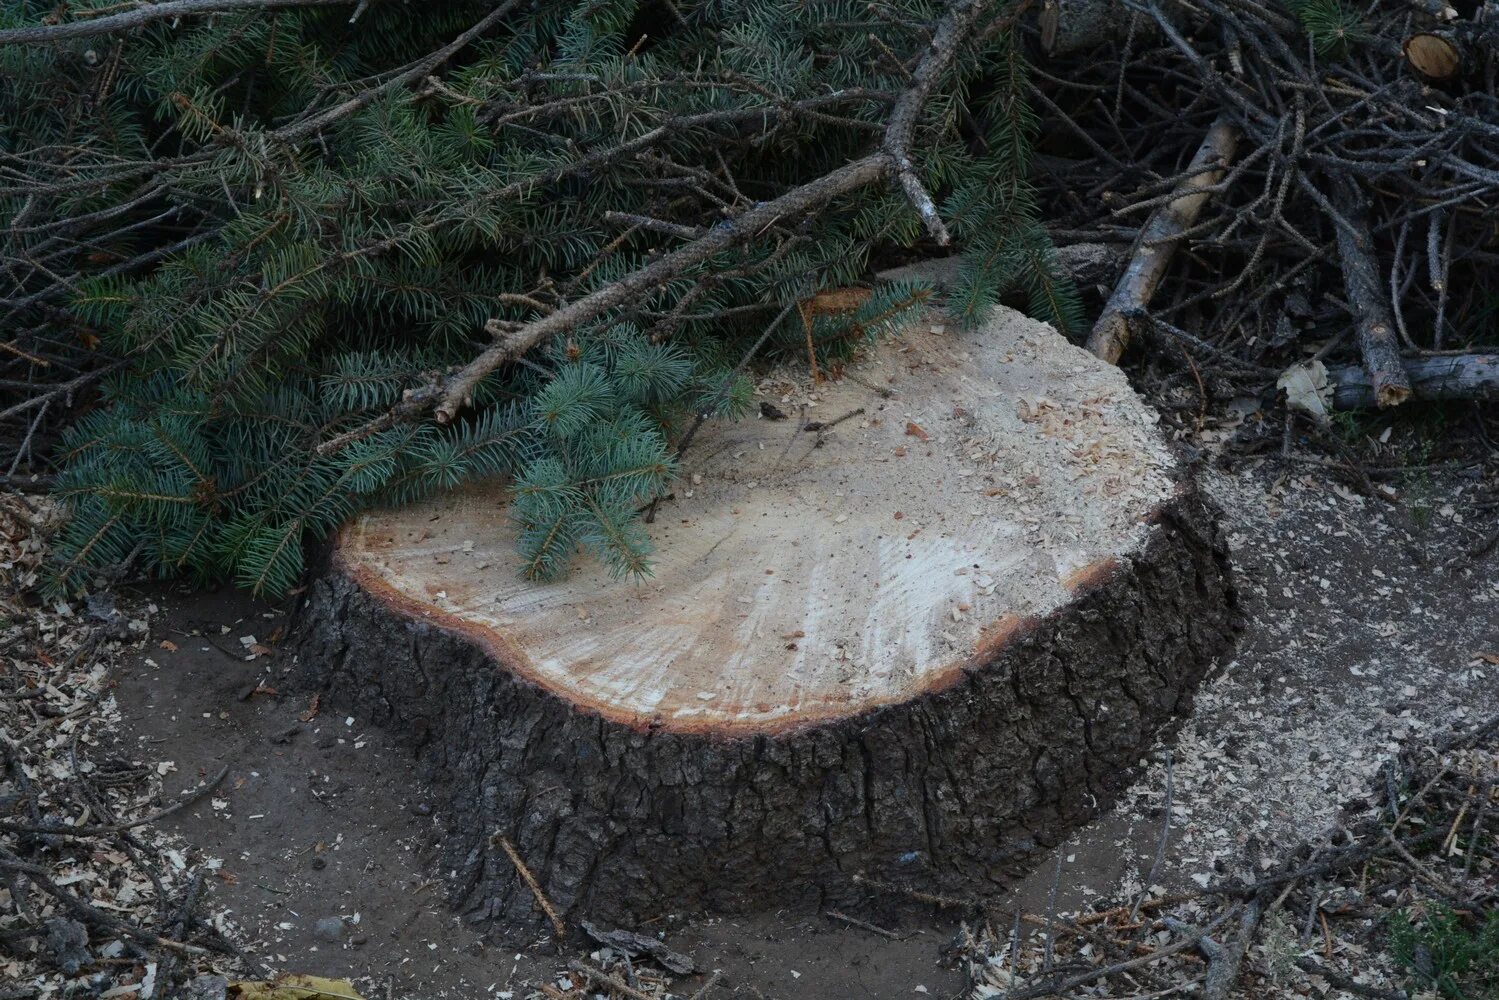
x: 1159, y: 239
x: 183, y: 801
x: 1377, y: 342
x: 605, y: 979
x: 446, y: 395
x: 862, y: 925
x: 1454, y: 376
x: 145, y: 14
x: 1072, y: 26
x: 1348, y: 983
x: 1437, y: 55
x: 1223, y: 968
x: 1052, y: 987
x: 712, y: 981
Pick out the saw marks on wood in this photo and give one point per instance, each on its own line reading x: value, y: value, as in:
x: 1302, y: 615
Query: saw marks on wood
x: 802, y: 576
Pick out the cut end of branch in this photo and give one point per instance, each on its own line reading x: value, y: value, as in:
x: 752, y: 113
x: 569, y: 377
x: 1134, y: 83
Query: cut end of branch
x: 1434, y: 56
x: 1110, y: 336
x: 1391, y: 395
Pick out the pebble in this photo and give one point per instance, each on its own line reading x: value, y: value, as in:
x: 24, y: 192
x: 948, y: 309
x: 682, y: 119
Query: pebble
x: 329, y: 929
x: 207, y: 987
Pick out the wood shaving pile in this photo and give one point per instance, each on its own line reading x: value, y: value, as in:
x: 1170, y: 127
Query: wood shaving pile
x: 1377, y: 906
x: 93, y: 903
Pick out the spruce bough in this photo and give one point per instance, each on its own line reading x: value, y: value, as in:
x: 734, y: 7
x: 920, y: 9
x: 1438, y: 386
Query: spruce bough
x: 358, y: 262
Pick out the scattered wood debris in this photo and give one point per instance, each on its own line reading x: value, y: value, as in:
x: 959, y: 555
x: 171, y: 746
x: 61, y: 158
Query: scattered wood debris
x: 94, y: 901
x: 1399, y: 899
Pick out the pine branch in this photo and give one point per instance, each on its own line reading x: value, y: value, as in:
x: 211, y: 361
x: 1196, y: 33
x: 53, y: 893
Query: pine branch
x: 349, y: 222
x: 146, y: 14
x: 448, y: 395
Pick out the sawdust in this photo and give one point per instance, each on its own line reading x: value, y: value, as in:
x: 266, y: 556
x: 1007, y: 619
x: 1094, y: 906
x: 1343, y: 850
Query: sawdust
x: 78, y: 908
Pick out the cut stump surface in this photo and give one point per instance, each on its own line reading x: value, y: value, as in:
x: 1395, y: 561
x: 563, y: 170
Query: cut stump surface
x: 906, y: 642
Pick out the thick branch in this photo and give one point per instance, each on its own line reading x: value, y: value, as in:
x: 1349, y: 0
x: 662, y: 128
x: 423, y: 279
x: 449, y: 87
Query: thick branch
x: 1437, y: 55
x: 1159, y: 240
x: 509, y: 346
x: 1377, y: 342
x: 145, y: 14
x: 1453, y: 376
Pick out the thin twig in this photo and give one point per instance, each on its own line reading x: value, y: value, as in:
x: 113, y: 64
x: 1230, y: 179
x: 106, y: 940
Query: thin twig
x: 531, y: 883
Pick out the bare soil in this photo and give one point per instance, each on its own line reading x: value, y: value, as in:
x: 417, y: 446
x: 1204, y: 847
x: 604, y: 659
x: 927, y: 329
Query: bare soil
x: 1365, y: 618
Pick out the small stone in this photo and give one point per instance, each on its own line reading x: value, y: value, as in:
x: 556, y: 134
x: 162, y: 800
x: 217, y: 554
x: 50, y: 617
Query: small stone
x: 329, y: 929
x: 422, y: 809
x: 207, y: 987
x: 360, y: 941
x: 66, y: 944
x: 318, y: 864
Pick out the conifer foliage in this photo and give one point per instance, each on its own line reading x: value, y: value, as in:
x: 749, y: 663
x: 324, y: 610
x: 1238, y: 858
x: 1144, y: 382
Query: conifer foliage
x: 243, y: 238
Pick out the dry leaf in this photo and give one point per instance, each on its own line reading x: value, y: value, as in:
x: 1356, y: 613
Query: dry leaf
x: 294, y: 987
x: 312, y: 709
x: 915, y: 431
x: 835, y: 300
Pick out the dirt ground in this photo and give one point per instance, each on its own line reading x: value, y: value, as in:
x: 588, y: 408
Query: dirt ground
x: 1364, y: 618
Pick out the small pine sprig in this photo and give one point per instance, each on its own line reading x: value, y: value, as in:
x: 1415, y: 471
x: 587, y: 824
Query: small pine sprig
x: 1331, y: 25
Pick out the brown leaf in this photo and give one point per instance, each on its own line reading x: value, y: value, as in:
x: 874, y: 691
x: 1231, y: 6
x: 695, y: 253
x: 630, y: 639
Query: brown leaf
x: 168, y: 645
x: 915, y: 431
x: 315, y: 706
x: 835, y: 300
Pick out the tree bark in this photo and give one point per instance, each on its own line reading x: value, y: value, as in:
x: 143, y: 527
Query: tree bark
x: 1375, y: 328
x: 953, y: 792
x: 1159, y: 239
x: 1072, y: 26
x: 1450, y: 377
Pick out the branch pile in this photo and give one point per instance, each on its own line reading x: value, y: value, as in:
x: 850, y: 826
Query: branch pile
x: 290, y: 259
x: 1400, y: 899
x: 1294, y: 178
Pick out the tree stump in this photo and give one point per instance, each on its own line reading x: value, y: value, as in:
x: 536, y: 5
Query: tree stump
x: 911, y: 644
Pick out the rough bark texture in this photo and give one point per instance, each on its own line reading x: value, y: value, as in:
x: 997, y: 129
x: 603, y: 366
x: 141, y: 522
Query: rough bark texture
x: 1452, y: 376
x: 1072, y: 26
x: 950, y: 791
x: 1159, y: 239
x: 1366, y: 296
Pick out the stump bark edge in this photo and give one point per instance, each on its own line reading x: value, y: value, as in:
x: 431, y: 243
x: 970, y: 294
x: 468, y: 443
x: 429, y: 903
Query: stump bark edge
x: 951, y: 792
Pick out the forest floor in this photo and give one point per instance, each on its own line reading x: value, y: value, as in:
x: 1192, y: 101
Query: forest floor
x: 1366, y: 623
